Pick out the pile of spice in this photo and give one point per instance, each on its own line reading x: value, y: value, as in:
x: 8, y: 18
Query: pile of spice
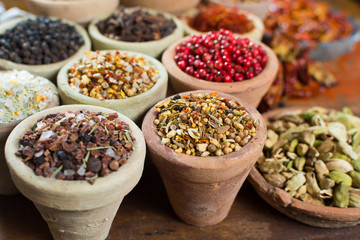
x: 136, y: 25
x: 40, y: 41
x: 112, y: 75
x: 315, y: 156
x: 204, y: 124
x: 287, y: 26
x: 220, y: 57
x: 215, y: 17
x: 22, y: 94
x: 78, y: 145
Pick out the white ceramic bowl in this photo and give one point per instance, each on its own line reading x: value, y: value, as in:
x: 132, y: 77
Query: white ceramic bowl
x: 151, y: 48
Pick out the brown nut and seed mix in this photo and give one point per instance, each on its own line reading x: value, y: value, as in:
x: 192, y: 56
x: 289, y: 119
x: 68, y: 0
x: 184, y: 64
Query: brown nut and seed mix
x: 78, y: 145
x: 112, y: 75
x: 204, y: 124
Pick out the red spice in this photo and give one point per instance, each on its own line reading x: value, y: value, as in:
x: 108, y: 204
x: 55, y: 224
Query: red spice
x: 216, y: 17
x: 220, y: 57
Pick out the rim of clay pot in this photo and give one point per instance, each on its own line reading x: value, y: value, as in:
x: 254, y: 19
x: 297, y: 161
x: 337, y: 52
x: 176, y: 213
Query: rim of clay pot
x: 208, y: 163
x: 176, y: 34
x: 44, y: 69
x: 279, y: 196
x: 79, y: 195
x: 268, y: 73
x: 63, y: 85
x: 5, y: 127
x: 256, y: 33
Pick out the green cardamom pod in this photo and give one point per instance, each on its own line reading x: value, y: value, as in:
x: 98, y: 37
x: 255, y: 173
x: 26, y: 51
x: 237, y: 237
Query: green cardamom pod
x: 339, y: 177
x: 299, y: 163
x: 302, y: 149
x: 355, y: 176
x: 293, y: 145
x: 356, y: 164
x: 307, y: 115
x: 356, y: 141
x: 318, y: 143
x: 340, y: 156
x: 341, y: 195
x: 354, y: 200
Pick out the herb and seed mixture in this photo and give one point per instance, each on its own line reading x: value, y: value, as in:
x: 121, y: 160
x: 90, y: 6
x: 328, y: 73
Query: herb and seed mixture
x: 78, y: 145
x: 204, y: 124
x: 315, y: 156
x: 136, y: 25
x: 220, y: 57
x: 112, y: 75
x: 40, y: 41
x: 22, y: 94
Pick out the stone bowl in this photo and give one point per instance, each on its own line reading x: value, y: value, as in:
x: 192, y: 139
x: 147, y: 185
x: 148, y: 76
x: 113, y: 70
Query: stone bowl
x: 255, y: 34
x: 48, y: 71
x: 152, y: 48
x: 202, y: 190
x: 7, y: 186
x: 80, y: 11
x: 258, y: 8
x: 171, y: 6
x: 76, y: 210
x: 310, y: 214
x: 250, y: 90
x: 133, y: 107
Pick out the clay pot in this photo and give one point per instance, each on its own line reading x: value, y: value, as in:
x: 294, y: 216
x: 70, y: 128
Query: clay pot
x: 250, y: 90
x: 152, y: 48
x: 255, y: 34
x: 202, y: 190
x: 7, y: 186
x: 76, y: 210
x: 48, y: 71
x: 133, y: 107
x: 258, y: 8
x: 79, y: 11
x: 172, y: 6
x: 314, y: 215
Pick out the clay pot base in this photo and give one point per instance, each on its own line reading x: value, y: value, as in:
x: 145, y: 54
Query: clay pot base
x: 202, y: 190
x: 310, y: 214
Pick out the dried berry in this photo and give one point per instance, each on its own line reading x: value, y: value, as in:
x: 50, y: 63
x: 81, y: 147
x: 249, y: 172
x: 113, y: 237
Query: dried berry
x: 53, y: 150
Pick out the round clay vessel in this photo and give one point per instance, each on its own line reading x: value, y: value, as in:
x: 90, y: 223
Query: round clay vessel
x: 80, y: 11
x: 251, y: 90
x: 152, y: 48
x: 255, y: 34
x: 202, y: 190
x: 310, y: 214
x: 133, y: 107
x: 48, y: 71
x: 258, y: 8
x: 7, y: 186
x: 76, y: 210
x: 172, y: 6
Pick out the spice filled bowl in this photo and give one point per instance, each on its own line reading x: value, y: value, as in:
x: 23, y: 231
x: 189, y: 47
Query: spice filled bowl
x: 21, y: 95
x: 310, y: 166
x: 215, y: 17
x: 76, y: 164
x: 136, y: 29
x: 172, y: 6
x: 70, y: 9
x: 258, y: 7
x: 203, y: 143
x: 41, y: 45
x: 126, y: 82
x: 234, y: 65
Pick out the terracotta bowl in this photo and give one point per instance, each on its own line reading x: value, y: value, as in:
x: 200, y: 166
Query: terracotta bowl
x: 258, y: 8
x: 80, y: 11
x: 7, y: 186
x: 250, y: 90
x: 310, y: 214
x: 152, y: 48
x: 48, y: 71
x: 202, y: 190
x: 172, y: 6
x: 133, y: 107
x: 255, y: 34
x: 76, y: 210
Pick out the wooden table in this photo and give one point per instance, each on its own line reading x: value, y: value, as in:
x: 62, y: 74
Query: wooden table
x: 146, y: 213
